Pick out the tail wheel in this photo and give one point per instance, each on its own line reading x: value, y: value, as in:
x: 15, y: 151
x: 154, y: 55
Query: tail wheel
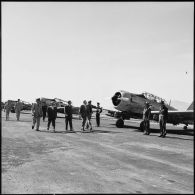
x: 120, y: 123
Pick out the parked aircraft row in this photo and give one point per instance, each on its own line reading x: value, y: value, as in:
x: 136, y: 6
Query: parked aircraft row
x: 129, y: 105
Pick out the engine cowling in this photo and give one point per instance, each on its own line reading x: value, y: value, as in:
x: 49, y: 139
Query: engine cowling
x: 119, y: 100
x: 116, y: 99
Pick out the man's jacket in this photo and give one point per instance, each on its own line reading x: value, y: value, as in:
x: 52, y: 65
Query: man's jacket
x: 68, y: 111
x: 52, y: 112
x: 37, y: 110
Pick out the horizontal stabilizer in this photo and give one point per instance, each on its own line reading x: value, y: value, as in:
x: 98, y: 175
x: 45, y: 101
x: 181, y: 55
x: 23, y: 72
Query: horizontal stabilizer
x: 191, y: 107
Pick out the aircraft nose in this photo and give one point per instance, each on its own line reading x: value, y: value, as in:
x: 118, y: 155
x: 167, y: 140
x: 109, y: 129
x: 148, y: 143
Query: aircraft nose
x: 116, y: 99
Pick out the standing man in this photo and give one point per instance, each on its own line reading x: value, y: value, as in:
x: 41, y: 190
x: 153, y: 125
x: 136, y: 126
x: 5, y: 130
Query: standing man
x: 44, y: 108
x: 18, y: 108
x: 98, y: 111
x: 163, y: 115
x: 146, y: 118
x: 52, y: 115
x: 83, y: 113
x: 89, y: 114
x: 7, y: 108
x: 37, y: 113
x: 68, y: 115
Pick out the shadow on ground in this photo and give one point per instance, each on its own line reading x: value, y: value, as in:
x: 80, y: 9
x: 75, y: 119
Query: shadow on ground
x: 87, y: 131
x: 171, y: 131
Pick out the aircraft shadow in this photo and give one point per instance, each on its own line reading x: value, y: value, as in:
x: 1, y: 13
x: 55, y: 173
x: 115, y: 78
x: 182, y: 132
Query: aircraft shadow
x: 86, y: 131
x: 170, y: 137
x: 171, y: 131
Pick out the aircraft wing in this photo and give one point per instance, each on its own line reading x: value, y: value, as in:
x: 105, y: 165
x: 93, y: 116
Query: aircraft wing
x: 177, y: 117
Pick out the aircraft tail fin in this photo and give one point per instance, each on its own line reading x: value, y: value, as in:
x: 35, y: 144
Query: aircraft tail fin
x: 191, y: 107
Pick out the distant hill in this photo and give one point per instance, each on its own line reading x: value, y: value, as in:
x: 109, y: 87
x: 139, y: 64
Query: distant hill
x: 180, y: 105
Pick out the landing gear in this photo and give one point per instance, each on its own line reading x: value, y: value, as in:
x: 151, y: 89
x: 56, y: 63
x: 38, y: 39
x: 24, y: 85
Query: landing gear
x: 141, y: 127
x: 185, y: 127
x: 120, y: 123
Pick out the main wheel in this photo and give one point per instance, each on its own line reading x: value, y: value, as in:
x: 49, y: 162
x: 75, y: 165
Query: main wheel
x: 120, y: 123
x: 185, y: 127
x: 141, y: 126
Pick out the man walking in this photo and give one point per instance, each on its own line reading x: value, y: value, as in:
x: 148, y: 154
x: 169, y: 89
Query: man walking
x: 68, y: 115
x: 52, y: 115
x: 83, y: 113
x: 146, y: 118
x: 18, y: 108
x: 89, y: 114
x: 37, y: 113
x: 7, y: 108
x: 44, y: 108
x: 98, y: 111
x: 163, y: 115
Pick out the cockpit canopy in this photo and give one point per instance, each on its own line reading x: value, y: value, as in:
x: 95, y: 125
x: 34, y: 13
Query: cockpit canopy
x: 152, y: 97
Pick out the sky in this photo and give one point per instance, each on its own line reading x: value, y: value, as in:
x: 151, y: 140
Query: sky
x: 90, y: 50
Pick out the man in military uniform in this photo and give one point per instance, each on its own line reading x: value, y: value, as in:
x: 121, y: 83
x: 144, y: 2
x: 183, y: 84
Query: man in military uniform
x: 68, y: 115
x: 18, y: 108
x: 98, y: 111
x: 83, y: 113
x: 37, y: 113
x: 163, y: 115
x: 146, y: 118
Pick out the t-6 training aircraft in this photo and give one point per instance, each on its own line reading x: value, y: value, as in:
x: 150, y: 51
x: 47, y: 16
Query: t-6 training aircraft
x: 60, y: 104
x: 131, y: 105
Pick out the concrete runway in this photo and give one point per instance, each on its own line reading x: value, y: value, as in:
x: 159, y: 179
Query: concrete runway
x: 107, y: 160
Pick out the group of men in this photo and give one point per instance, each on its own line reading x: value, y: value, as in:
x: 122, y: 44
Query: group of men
x: 86, y: 113
x: 39, y: 110
x: 163, y: 115
x: 17, y: 106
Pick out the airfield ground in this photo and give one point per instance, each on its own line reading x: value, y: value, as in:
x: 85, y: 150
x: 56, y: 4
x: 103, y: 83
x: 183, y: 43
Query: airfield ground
x: 107, y: 160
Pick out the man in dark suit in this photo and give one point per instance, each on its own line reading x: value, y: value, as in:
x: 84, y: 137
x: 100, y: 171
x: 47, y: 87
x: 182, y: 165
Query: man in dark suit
x: 44, y: 108
x: 83, y: 113
x: 68, y: 115
x: 52, y: 115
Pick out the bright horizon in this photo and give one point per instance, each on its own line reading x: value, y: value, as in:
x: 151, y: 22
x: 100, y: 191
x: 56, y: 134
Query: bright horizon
x: 90, y: 50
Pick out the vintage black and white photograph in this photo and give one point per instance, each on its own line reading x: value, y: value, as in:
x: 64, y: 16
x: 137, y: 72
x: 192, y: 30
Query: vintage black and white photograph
x: 97, y: 97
